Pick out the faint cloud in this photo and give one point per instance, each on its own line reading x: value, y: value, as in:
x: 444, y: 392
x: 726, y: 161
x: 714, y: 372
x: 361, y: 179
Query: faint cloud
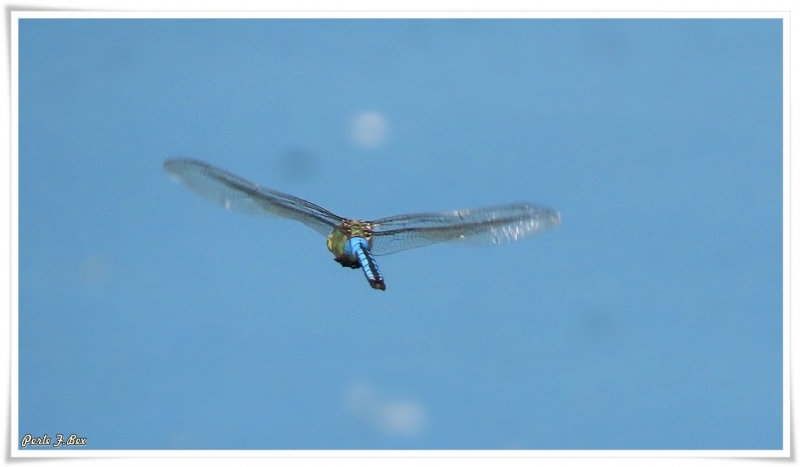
x: 398, y: 417
x: 597, y: 324
x: 608, y: 44
x: 184, y: 440
x: 369, y: 129
x: 419, y: 34
x: 297, y: 165
x: 95, y: 270
x: 115, y: 58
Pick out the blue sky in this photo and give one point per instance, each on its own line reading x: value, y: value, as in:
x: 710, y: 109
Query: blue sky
x: 650, y: 318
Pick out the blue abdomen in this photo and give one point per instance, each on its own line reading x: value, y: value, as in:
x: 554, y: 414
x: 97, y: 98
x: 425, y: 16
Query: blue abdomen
x: 357, y: 249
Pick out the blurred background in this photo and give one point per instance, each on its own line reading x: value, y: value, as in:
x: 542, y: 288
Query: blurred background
x: 150, y: 318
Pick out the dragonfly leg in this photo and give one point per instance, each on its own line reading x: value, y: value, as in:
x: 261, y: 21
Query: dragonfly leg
x: 347, y: 263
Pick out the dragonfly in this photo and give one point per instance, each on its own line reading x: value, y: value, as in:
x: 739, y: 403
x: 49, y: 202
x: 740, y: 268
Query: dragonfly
x: 355, y: 243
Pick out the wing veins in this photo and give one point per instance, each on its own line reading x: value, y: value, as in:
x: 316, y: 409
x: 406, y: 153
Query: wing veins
x: 494, y: 224
x: 231, y: 191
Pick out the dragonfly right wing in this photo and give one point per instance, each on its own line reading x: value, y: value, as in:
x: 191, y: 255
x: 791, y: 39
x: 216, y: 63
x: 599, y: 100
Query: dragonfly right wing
x: 238, y: 194
x: 489, y: 225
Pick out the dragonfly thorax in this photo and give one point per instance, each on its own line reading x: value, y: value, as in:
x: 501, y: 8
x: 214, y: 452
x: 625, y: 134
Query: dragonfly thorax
x: 341, y: 235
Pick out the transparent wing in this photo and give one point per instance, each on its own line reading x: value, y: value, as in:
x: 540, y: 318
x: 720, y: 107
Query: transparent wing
x: 237, y: 194
x: 489, y: 225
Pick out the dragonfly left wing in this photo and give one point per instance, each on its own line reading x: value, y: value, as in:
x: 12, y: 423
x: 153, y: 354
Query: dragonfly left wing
x: 238, y: 194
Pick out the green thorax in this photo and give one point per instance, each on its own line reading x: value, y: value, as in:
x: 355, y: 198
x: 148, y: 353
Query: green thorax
x: 344, y: 232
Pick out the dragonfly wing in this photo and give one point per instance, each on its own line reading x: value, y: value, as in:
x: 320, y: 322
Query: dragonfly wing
x: 489, y: 225
x: 238, y: 194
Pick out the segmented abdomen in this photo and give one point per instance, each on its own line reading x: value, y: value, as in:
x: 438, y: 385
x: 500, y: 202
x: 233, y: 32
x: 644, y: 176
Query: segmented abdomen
x: 360, y: 248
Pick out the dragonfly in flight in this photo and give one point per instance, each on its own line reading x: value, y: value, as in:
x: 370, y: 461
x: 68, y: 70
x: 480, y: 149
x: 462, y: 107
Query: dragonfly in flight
x: 354, y: 242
